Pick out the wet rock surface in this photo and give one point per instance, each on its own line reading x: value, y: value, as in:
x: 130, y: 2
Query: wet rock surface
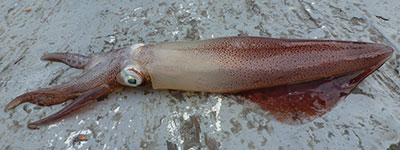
x: 369, y: 118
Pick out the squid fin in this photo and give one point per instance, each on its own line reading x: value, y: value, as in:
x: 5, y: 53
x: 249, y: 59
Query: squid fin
x: 303, y: 102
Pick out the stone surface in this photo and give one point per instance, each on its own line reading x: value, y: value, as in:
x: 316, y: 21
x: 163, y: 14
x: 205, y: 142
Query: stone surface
x: 158, y: 119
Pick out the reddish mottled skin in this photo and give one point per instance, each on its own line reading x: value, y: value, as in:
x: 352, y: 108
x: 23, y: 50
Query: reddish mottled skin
x: 295, y: 80
x: 281, y: 61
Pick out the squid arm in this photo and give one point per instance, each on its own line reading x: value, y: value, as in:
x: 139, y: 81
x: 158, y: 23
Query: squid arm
x: 296, y: 80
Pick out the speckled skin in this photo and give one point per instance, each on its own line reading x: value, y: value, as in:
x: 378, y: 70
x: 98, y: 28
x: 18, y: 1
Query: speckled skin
x: 232, y: 64
x: 222, y: 65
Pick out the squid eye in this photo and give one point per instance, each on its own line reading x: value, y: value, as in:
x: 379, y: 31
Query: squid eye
x: 131, y: 80
x: 129, y: 76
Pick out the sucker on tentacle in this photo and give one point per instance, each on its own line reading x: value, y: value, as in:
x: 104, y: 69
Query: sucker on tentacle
x: 295, y: 80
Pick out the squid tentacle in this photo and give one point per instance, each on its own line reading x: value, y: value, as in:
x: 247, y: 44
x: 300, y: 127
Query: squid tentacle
x: 79, y: 102
x: 97, y: 79
x: 61, y: 93
x: 40, y: 97
x: 53, y: 95
x: 73, y: 60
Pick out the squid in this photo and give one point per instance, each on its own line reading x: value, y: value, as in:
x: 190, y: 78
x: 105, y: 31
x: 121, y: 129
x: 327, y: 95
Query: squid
x: 295, y: 80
